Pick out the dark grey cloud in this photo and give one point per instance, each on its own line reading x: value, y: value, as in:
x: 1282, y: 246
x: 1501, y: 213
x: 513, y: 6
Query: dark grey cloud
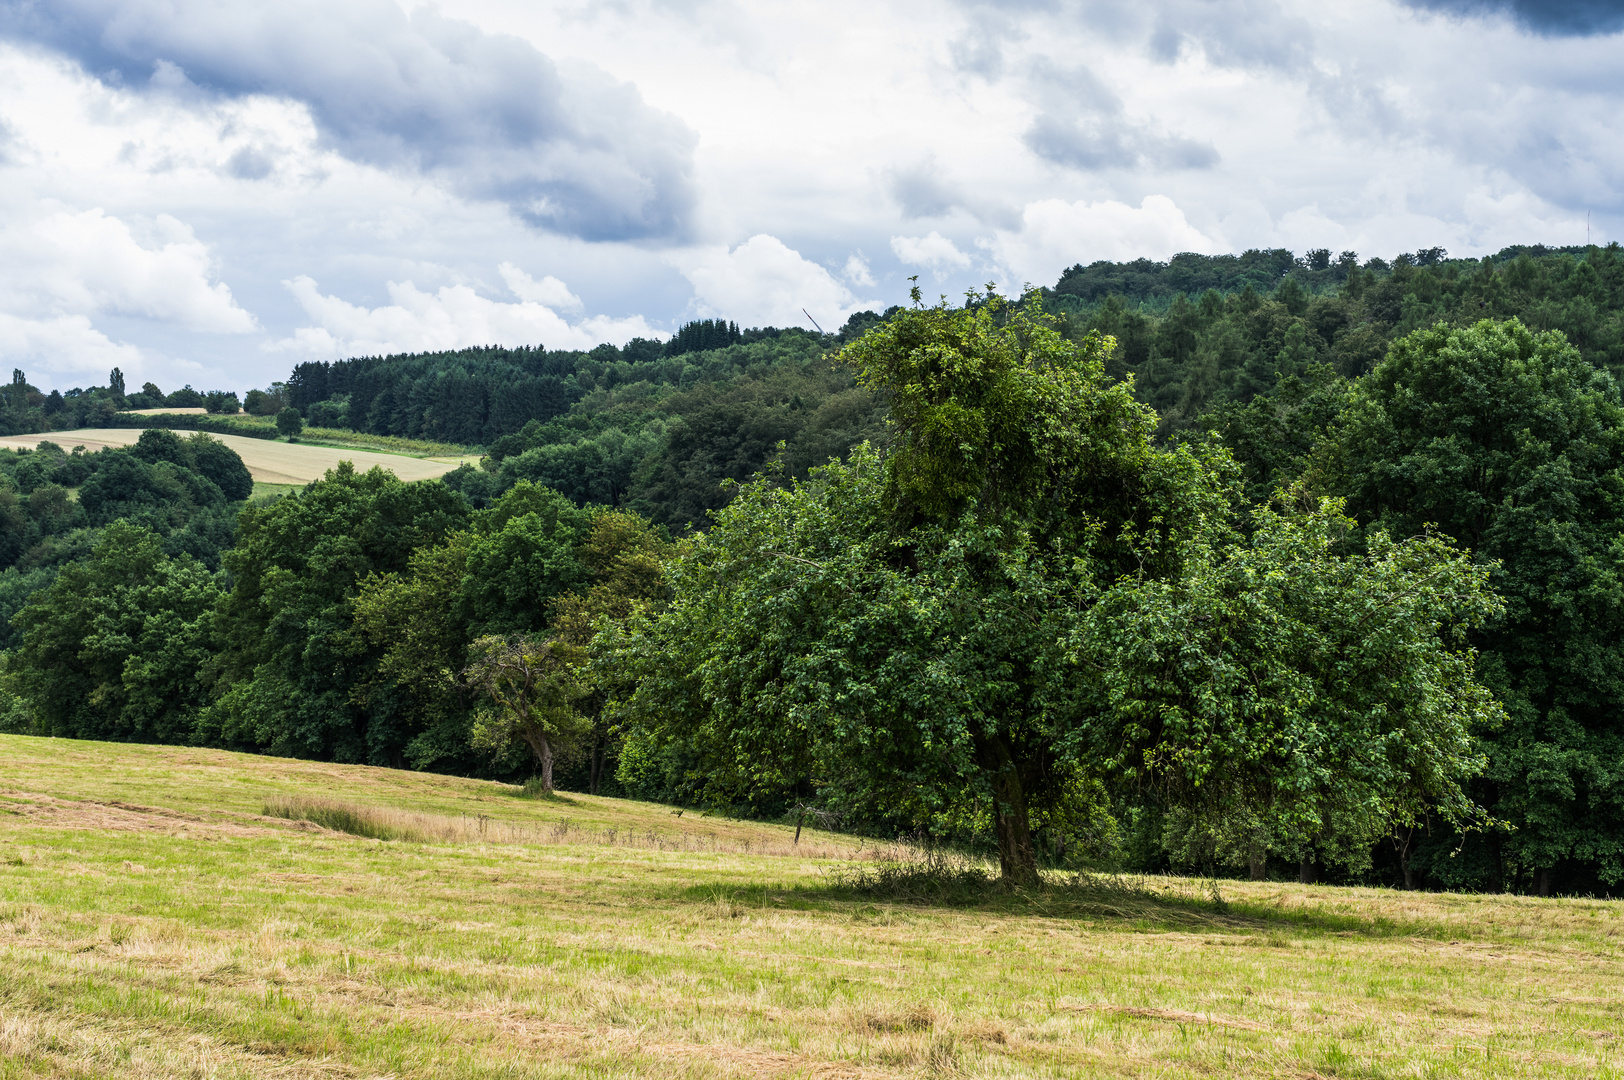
x: 580, y: 154
x: 1082, y: 124
x: 1549, y: 18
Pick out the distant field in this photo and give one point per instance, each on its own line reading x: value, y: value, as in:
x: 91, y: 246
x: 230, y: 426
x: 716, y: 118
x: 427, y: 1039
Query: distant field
x: 154, y: 923
x: 268, y: 462
x: 167, y: 412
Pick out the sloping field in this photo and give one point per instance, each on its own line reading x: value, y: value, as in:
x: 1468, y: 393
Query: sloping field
x: 155, y: 922
x: 268, y: 462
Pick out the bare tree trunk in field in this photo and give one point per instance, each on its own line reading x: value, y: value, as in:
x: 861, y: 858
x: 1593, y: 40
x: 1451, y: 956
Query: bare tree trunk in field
x: 544, y: 754
x: 1017, y: 861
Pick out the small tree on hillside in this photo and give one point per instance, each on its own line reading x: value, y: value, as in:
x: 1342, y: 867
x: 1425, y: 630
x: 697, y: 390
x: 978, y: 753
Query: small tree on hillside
x: 532, y: 687
x: 289, y: 422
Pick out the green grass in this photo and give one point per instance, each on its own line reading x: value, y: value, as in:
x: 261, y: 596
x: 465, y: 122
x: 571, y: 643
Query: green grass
x: 261, y: 488
x: 155, y: 921
x: 344, y: 438
x: 388, y: 444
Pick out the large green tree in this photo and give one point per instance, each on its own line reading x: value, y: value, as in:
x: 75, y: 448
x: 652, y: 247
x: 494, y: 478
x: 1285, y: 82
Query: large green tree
x: 294, y: 656
x: 1512, y: 443
x: 941, y: 629
x: 112, y: 649
x: 500, y: 576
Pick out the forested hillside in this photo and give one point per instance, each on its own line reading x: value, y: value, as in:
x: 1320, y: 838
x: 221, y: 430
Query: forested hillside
x: 1202, y: 331
x: 656, y: 428
x: 1062, y: 562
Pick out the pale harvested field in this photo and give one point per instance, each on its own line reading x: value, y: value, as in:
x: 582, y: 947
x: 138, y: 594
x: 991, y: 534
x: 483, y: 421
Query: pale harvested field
x: 154, y: 922
x: 268, y: 462
x: 165, y: 412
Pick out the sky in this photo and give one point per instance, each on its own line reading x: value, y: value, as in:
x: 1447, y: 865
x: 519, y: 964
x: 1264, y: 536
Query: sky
x: 208, y: 192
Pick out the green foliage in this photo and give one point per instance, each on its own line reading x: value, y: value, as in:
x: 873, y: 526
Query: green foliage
x: 112, y: 647
x: 1510, y: 442
x: 532, y: 687
x: 1287, y: 697
x: 1203, y: 332
x: 984, y: 624
x: 222, y: 401
x: 510, y: 573
x: 289, y: 422
x: 293, y: 658
x: 185, y: 398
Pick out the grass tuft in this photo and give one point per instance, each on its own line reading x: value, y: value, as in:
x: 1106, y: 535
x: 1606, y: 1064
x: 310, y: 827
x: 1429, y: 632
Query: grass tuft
x: 371, y: 822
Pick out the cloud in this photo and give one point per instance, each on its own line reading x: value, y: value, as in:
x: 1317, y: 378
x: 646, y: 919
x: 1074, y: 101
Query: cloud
x: 764, y: 283
x: 1548, y: 18
x: 920, y: 190
x: 67, y: 347
x: 76, y: 266
x: 1083, y: 125
x: 453, y: 317
x: 934, y: 252
x: 570, y: 151
x: 856, y: 272
x: 548, y: 292
x: 1055, y: 234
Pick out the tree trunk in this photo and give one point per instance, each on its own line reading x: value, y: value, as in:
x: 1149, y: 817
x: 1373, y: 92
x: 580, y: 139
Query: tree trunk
x: 1305, y: 871
x: 544, y: 754
x: 1017, y: 861
x: 1542, y: 881
x: 595, y: 762
x: 1402, y: 846
x: 1258, y: 863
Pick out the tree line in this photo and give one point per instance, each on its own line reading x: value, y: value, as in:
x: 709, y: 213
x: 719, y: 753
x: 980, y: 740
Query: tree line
x: 1356, y: 620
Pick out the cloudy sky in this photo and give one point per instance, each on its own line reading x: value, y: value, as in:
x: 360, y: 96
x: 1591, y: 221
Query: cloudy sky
x: 209, y: 191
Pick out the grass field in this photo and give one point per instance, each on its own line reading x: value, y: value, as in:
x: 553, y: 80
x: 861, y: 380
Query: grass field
x: 156, y: 921
x: 268, y: 462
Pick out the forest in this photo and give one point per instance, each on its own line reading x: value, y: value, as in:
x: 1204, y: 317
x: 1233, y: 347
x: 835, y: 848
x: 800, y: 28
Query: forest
x: 1257, y: 564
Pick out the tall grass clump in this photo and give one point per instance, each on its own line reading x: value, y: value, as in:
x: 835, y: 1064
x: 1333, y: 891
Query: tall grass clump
x: 370, y: 822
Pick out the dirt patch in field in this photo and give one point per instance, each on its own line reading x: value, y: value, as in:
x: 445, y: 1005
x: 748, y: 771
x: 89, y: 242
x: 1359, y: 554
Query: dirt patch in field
x: 129, y: 817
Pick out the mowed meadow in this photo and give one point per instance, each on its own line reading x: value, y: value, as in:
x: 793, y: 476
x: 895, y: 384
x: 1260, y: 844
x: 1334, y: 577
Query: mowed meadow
x: 168, y: 911
x: 269, y: 461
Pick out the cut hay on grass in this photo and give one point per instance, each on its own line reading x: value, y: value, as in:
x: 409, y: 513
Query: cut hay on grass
x: 155, y: 922
x: 268, y: 462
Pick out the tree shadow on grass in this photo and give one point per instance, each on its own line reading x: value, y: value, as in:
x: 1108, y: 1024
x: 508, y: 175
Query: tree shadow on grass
x: 942, y: 879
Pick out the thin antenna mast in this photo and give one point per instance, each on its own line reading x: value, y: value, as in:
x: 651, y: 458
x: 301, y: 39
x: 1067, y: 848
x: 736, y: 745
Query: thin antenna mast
x: 810, y: 319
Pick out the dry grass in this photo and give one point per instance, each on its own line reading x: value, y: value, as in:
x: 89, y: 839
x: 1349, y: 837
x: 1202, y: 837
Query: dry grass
x: 414, y: 826
x: 155, y: 921
x: 269, y: 462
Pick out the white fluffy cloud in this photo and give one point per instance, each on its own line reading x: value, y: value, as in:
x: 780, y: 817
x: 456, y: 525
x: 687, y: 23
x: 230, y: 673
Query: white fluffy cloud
x: 762, y: 282
x: 452, y: 317
x: 1055, y: 234
x: 61, y: 272
x: 63, y: 350
x: 89, y: 263
x: 934, y: 252
x: 548, y: 292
